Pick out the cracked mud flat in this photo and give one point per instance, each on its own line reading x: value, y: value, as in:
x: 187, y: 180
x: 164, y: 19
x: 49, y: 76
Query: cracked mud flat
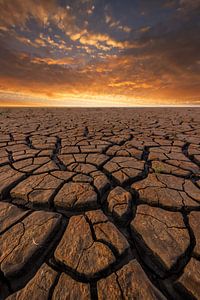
x: 100, y: 204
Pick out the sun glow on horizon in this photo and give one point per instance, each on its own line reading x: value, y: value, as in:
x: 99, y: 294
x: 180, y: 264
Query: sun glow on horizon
x: 14, y: 99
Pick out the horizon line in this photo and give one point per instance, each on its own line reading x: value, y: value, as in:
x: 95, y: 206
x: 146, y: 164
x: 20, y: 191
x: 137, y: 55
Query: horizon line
x: 134, y: 106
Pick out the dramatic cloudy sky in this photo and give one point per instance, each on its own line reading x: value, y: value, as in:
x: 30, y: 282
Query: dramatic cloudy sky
x: 99, y: 52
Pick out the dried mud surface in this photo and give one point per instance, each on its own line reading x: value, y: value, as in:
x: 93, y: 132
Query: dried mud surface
x: 100, y: 203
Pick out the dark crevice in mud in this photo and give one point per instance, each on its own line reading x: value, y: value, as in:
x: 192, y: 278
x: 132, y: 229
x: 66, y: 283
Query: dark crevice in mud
x: 5, y: 193
x: 52, y: 288
x: 97, y: 193
x: 134, y: 250
x: 120, y: 288
x: 93, y: 290
x: 23, y: 158
x: 160, y: 277
x: 110, y: 246
x: 91, y: 228
x: 137, y: 178
x: 86, y: 132
x: 196, y: 256
x: 190, y: 174
x: 28, y: 213
x: 29, y: 142
x: 120, y: 224
x: 182, y: 261
x: 190, y: 157
x: 4, y: 164
x: 50, y: 207
x: 151, y: 272
x: 10, y: 157
x: 74, y: 212
x: 185, y: 149
x: 11, y: 137
x: 104, y: 196
x: 59, y: 267
x: 147, y: 165
x: 20, y: 172
x: 6, y: 283
x: 28, y: 205
x: 57, y: 238
x: 106, y: 243
x: 122, y: 260
x: 54, y: 156
x: 183, y: 208
x: 184, y: 294
x: 21, y: 279
x: 114, y: 182
x: 52, y: 197
x: 196, y: 179
x: 59, y: 163
x: 115, y: 144
x: 37, y: 127
x: 126, y: 140
x: 145, y: 153
x: 169, y: 208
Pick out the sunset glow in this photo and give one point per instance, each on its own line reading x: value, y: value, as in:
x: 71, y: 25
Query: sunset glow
x: 99, y: 53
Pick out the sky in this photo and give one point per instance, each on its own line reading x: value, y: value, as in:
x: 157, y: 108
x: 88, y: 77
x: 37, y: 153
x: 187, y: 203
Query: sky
x: 99, y: 52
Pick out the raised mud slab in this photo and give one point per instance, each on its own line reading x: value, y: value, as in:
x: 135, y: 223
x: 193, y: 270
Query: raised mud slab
x: 100, y: 204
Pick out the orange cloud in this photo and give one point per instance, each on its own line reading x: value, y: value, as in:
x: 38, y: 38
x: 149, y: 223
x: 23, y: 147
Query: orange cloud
x: 130, y: 83
x: 101, y: 41
x: 51, y: 61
